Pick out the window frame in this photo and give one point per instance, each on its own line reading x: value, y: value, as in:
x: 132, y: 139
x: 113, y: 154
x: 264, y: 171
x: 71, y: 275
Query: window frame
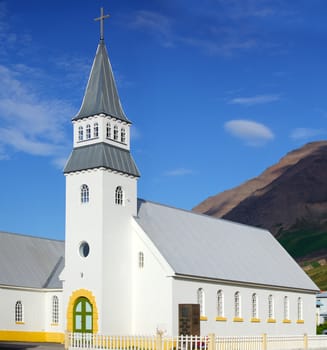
x: 123, y: 135
x: 201, y: 302
x: 108, y: 130
x: 80, y: 133
x: 119, y: 195
x: 116, y: 132
x: 141, y: 260
x: 88, y: 131
x: 271, y: 308
x: 85, y: 194
x: 286, y: 309
x: 96, y: 130
x: 55, y: 310
x: 19, y: 312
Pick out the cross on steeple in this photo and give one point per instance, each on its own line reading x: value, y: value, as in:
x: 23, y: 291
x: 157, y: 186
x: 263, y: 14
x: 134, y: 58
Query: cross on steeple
x: 101, y: 19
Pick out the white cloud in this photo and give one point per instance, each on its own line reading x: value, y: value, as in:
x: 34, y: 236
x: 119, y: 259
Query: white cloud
x: 178, y: 172
x: 254, y: 100
x: 306, y: 133
x: 253, y: 133
x: 29, y: 123
x: 155, y: 23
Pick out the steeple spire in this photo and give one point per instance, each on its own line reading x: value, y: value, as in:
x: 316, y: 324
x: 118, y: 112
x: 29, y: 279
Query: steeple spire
x: 101, y: 19
x: 101, y: 95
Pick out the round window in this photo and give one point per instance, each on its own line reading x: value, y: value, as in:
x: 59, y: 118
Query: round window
x: 84, y: 249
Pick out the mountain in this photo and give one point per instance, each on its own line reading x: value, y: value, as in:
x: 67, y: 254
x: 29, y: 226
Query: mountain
x: 289, y: 199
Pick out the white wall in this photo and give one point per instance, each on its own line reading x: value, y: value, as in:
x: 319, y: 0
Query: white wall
x: 152, y: 287
x: 106, y: 227
x: 37, y: 310
x: 185, y: 291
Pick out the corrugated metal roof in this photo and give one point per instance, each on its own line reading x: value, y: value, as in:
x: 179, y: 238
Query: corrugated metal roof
x: 203, y: 246
x: 101, y: 94
x: 27, y: 261
x: 101, y: 155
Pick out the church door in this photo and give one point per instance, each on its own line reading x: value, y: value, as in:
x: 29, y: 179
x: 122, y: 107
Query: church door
x: 83, y: 316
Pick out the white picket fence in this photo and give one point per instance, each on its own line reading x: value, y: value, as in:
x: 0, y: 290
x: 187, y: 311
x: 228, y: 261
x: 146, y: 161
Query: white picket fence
x: 210, y: 342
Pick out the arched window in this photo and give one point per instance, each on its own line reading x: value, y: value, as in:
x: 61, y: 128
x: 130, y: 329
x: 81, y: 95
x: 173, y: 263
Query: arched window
x: 254, y: 310
x: 83, y: 316
x: 220, y: 303
x: 141, y: 260
x: 88, y: 131
x: 19, y: 314
x: 84, y: 194
x: 286, y: 308
x: 123, y: 135
x: 300, y: 309
x: 108, y: 131
x: 96, y: 130
x: 237, y: 305
x: 80, y: 133
x: 271, y: 307
x: 55, y: 309
x: 201, y: 301
x: 116, y: 132
x: 119, y: 195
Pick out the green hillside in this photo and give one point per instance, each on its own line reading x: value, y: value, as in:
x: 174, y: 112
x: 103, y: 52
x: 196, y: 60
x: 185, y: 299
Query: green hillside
x: 303, y: 243
x: 309, y: 248
x: 319, y: 275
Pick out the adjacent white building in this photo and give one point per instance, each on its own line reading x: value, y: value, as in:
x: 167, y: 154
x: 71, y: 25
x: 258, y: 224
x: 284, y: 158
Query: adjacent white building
x: 132, y: 266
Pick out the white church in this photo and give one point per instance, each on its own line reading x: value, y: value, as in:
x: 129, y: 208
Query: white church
x: 130, y: 266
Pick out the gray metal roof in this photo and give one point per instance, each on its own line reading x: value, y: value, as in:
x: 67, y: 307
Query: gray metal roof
x: 101, y: 155
x: 206, y: 247
x: 27, y: 261
x: 101, y: 94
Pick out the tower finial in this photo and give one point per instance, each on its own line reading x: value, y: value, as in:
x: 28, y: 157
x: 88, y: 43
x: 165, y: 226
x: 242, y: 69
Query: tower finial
x: 101, y: 19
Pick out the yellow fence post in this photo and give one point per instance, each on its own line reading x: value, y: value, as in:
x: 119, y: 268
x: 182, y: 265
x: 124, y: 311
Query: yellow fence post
x: 66, y: 340
x: 159, y: 339
x: 212, y: 341
x: 305, y: 341
x: 264, y: 341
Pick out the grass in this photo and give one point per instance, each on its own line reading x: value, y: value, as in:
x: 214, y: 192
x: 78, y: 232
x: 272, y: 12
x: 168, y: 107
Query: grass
x: 319, y: 276
x: 303, y: 242
x: 310, y: 243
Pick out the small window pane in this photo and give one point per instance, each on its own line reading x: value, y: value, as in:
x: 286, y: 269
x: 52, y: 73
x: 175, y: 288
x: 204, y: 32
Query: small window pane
x: 84, y: 194
x: 119, y: 196
x: 55, y: 309
x: 115, y: 132
x: 220, y: 303
x: 88, y: 322
x: 123, y: 135
x: 201, y: 301
x: 237, y: 304
x: 108, y: 131
x: 78, y: 322
x: 84, y: 250
x: 80, y: 133
x: 141, y: 260
x: 88, y: 131
x: 19, y: 312
x: 96, y: 130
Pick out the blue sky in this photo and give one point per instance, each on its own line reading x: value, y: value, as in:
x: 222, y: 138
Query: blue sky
x: 217, y: 91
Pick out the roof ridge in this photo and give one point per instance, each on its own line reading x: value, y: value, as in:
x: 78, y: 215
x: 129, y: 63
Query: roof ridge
x: 209, y: 217
x: 32, y: 236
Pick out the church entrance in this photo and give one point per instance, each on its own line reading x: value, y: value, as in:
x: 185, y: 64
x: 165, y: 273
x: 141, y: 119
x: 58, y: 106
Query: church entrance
x: 83, y: 316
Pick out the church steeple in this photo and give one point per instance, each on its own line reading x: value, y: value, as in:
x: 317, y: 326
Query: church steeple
x: 101, y: 128
x: 101, y: 94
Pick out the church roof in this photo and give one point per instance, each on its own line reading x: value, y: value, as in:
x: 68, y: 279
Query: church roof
x: 205, y: 247
x: 101, y: 94
x: 101, y: 155
x: 32, y: 262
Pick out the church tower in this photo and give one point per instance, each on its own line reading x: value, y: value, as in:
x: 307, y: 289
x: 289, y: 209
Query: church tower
x: 101, y: 199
